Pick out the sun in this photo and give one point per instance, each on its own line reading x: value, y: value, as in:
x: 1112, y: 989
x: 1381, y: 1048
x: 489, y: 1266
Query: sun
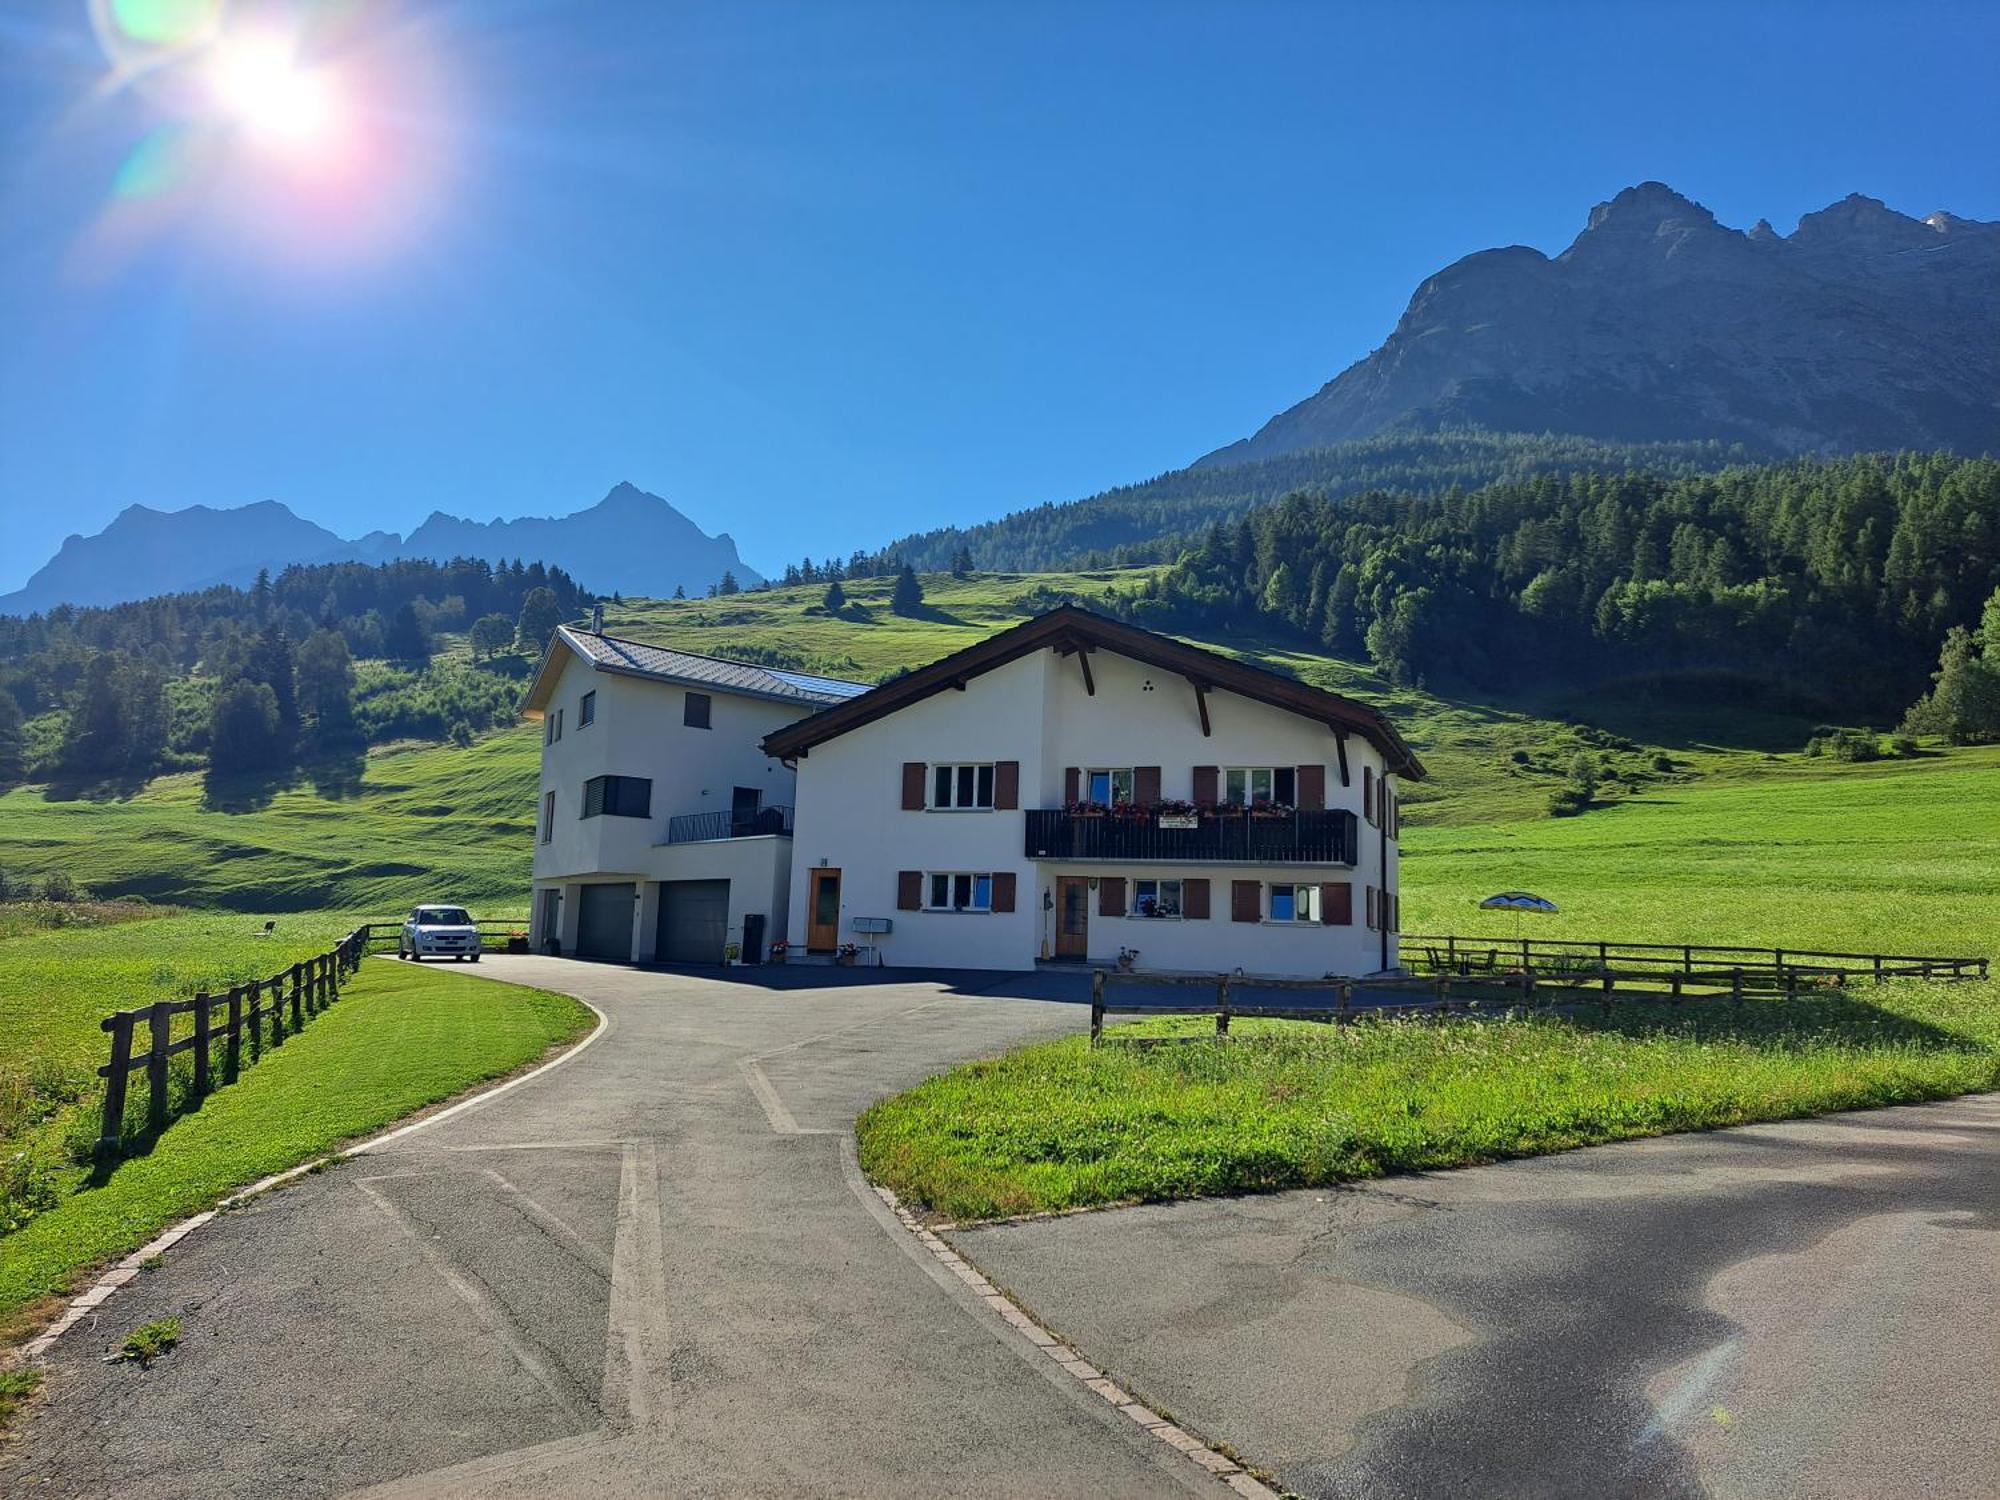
x: 259, y: 84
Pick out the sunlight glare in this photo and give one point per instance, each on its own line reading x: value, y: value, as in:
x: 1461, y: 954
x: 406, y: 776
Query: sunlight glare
x: 259, y: 83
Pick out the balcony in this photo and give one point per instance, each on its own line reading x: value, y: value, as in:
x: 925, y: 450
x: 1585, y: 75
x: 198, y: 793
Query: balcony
x: 1263, y: 838
x: 702, y: 828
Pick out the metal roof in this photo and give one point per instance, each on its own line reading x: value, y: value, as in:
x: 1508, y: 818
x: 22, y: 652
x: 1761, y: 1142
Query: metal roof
x: 609, y: 653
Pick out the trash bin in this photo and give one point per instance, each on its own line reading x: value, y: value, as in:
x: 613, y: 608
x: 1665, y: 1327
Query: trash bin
x: 753, y: 938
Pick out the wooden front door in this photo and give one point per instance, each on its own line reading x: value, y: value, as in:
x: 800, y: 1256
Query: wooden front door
x: 823, y: 911
x: 1072, y: 917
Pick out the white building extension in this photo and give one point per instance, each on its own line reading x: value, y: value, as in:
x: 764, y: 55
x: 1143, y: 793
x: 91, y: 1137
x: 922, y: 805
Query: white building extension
x: 662, y: 829
x: 1075, y: 788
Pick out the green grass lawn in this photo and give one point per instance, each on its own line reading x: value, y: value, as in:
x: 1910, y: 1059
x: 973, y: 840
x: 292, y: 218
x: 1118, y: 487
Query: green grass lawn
x: 399, y: 1038
x: 1291, y: 1104
x: 1898, y: 857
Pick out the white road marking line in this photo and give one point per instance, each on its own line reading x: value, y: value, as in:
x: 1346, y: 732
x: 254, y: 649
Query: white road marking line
x: 556, y: 1228
x: 774, y: 1107
x: 636, y: 1342
x: 487, y: 1309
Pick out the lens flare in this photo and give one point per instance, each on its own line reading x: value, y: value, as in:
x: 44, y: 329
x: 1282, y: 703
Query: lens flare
x: 260, y: 85
x: 166, y: 23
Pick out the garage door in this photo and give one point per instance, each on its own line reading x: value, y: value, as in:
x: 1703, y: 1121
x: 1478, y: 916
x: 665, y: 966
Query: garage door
x: 604, y: 921
x: 694, y: 921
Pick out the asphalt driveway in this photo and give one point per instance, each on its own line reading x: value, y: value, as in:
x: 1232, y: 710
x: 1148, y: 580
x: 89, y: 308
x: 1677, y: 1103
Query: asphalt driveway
x: 653, y: 1271
x: 1794, y: 1310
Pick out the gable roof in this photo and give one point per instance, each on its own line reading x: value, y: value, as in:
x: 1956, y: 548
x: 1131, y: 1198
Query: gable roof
x: 609, y: 653
x: 1067, y: 629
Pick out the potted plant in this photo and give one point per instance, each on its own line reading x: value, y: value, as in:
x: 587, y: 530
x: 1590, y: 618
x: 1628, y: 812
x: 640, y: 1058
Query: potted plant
x: 778, y: 950
x: 848, y: 954
x: 1086, y: 809
x: 732, y: 954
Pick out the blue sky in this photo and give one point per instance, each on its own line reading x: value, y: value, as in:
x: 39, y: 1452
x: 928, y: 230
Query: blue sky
x: 824, y: 273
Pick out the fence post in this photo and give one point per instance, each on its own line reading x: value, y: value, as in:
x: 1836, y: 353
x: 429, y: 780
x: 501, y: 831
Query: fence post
x: 277, y: 1011
x: 1222, y: 1006
x: 160, y: 1022
x: 1451, y: 952
x: 1677, y: 989
x: 255, y: 1020
x: 1096, y: 1007
x: 1346, y: 999
x: 298, y: 996
x: 1528, y: 990
x: 1608, y: 983
x: 115, y: 1075
x: 232, y: 1057
x: 1878, y: 968
x: 1736, y: 987
x: 1524, y: 955
x: 201, y: 1079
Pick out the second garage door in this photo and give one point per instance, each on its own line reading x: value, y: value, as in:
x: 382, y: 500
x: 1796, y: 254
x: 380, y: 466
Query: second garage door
x: 604, y: 921
x: 694, y: 921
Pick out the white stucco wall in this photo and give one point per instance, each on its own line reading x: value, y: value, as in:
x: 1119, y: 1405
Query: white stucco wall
x: 1036, y: 710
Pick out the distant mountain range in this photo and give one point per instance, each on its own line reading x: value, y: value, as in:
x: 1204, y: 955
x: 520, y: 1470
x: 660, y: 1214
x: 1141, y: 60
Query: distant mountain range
x: 629, y: 542
x: 1863, y: 329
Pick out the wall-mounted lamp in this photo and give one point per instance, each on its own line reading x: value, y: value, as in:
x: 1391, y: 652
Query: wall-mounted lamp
x: 1093, y: 882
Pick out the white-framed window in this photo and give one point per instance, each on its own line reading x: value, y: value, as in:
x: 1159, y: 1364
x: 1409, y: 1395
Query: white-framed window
x: 586, y: 709
x: 552, y: 726
x: 962, y: 788
x: 1292, y: 903
x: 958, y: 890
x: 1247, y: 786
x: 1108, y: 786
x: 548, y: 816
x: 1156, y: 898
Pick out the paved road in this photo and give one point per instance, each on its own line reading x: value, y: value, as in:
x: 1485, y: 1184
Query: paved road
x: 653, y: 1271
x: 1794, y: 1310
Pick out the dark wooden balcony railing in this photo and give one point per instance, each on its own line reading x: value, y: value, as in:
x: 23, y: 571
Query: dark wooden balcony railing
x: 695, y: 828
x: 1292, y: 838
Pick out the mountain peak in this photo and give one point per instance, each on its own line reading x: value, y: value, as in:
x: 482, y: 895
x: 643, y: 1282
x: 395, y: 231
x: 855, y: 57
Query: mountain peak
x: 1645, y: 208
x: 1862, y: 223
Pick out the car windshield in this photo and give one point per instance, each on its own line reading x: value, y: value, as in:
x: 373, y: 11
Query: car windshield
x: 442, y: 916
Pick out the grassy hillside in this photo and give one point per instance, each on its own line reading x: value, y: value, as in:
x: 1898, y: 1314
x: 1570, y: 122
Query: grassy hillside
x: 406, y: 823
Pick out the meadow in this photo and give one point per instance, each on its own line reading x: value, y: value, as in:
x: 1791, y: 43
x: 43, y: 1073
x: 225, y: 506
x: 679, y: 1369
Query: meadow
x: 1902, y: 857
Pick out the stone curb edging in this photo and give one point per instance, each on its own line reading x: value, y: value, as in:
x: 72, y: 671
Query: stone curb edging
x: 1075, y: 1365
x: 129, y: 1268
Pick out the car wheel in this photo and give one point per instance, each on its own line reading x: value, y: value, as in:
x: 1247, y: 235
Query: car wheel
x: 475, y: 958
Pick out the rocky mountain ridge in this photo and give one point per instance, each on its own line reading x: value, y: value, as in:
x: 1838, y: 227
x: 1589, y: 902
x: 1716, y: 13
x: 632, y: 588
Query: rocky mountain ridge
x: 1862, y: 329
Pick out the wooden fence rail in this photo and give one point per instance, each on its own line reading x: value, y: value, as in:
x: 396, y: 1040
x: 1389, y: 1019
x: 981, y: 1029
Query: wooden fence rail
x: 1468, y: 955
x: 262, y: 1013
x: 1523, y: 989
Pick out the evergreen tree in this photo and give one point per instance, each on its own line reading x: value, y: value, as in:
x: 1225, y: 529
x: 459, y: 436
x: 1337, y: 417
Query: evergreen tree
x: 326, y: 684
x: 271, y: 663
x: 98, y: 738
x: 909, y: 595
x: 680, y: 591
x: 406, y: 640
x: 961, y: 562
x: 13, y: 743
x: 835, y: 598
x: 727, y: 584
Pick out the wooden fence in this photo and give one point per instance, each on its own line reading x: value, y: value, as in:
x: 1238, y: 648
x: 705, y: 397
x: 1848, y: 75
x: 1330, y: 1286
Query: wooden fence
x: 1782, y: 967
x: 1492, y: 989
x: 283, y: 1004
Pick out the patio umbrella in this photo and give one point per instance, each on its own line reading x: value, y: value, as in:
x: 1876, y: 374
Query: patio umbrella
x: 1518, y: 902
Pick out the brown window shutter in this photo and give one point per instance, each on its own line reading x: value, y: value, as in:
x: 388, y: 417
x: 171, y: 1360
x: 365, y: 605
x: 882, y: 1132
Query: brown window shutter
x: 1395, y: 911
x: 1246, y: 901
x: 1003, y: 890
x: 1208, y: 785
x: 1336, y: 903
x: 1312, y: 788
x: 1006, y: 786
x: 1145, y: 785
x: 1072, y: 786
x: 1372, y: 916
x: 1194, y: 900
x: 909, y: 890
x: 913, y: 785
x: 1111, y: 896
x: 1368, y: 793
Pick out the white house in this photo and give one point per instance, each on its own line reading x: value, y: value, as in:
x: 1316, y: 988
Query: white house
x: 662, y: 829
x: 1075, y: 787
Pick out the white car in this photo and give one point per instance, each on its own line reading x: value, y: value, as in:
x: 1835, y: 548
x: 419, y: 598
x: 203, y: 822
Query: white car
x: 439, y: 932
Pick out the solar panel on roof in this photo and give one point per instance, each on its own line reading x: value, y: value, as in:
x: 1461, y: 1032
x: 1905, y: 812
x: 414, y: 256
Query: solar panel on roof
x: 807, y: 682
